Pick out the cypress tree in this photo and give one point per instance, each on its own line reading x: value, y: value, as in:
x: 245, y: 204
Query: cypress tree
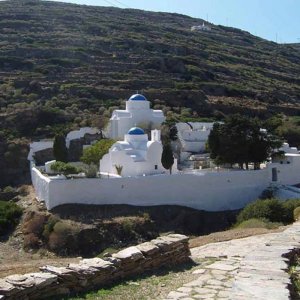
x: 60, y: 150
x: 167, y: 158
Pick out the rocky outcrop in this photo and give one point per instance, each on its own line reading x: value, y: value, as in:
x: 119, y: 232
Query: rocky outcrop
x: 93, y: 273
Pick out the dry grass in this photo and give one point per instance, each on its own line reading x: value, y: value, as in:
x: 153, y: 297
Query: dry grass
x: 230, y: 235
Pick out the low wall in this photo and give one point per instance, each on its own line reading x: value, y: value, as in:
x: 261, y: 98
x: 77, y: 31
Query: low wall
x: 94, y: 273
x: 211, y: 191
x: 41, y: 184
x: 203, y: 190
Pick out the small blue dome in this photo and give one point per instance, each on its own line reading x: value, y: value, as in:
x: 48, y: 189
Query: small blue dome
x: 136, y: 131
x: 137, y: 97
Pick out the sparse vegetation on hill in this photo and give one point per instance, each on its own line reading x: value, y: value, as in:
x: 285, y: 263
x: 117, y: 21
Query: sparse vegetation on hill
x: 64, y: 66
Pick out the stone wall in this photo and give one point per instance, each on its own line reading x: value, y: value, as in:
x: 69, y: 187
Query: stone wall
x: 94, y: 273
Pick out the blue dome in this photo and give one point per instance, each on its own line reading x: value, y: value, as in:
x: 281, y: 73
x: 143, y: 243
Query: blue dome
x: 136, y: 131
x: 137, y: 97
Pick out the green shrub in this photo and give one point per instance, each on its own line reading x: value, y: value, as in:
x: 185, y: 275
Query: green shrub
x: 91, y: 171
x: 270, y: 209
x: 296, y: 213
x: 94, y: 153
x: 8, y: 189
x: 10, y: 213
x: 273, y: 210
x: 64, y: 168
x: 258, y: 223
x: 48, y: 227
x: 62, y: 228
x: 62, y: 239
x: 288, y: 209
x: 128, y: 226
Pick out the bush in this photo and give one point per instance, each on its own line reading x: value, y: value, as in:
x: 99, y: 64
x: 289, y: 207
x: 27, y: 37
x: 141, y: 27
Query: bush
x: 48, y: 227
x: 34, y: 223
x: 296, y: 213
x: 128, y: 226
x: 289, y: 206
x: 62, y: 239
x: 94, y: 153
x: 8, y: 189
x: 270, y: 209
x: 91, y: 171
x: 258, y: 223
x: 273, y: 210
x: 9, y: 216
x: 64, y: 168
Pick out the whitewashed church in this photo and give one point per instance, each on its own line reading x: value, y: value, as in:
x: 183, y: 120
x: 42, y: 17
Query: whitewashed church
x: 137, y: 112
x: 135, y: 175
x: 135, y: 156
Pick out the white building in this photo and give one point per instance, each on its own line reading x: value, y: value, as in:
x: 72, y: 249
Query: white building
x: 202, y: 27
x: 192, y: 137
x: 135, y: 156
x: 137, y: 113
x: 78, y: 134
x: 39, y: 146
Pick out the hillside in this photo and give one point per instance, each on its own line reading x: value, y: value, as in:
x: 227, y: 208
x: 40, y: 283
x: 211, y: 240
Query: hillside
x: 64, y: 66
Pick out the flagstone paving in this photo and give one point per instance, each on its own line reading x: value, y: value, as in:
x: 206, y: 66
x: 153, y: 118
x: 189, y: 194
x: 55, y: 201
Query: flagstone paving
x: 248, y: 268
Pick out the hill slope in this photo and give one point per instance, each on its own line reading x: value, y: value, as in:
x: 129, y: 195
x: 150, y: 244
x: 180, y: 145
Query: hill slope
x: 63, y: 65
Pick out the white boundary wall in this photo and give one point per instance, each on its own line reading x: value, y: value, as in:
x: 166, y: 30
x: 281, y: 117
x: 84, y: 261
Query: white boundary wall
x: 207, y: 190
x: 212, y: 191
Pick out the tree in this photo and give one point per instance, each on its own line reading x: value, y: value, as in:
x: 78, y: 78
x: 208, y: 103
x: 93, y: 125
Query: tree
x: 241, y: 140
x: 60, y: 150
x: 173, y: 133
x: 167, y: 158
x: 94, y: 153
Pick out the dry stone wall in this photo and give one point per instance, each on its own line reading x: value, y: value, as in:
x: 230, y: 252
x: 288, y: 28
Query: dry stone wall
x: 93, y: 273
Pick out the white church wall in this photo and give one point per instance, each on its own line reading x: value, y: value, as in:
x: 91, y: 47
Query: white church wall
x: 193, y: 146
x: 41, y: 185
x: 77, y: 134
x: 38, y: 146
x: 287, y: 173
x: 195, y: 135
x: 212, y: 191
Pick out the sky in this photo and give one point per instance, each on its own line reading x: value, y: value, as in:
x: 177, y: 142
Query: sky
x: 276, y: 20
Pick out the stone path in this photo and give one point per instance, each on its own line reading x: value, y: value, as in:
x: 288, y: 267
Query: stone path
x: 244, y: 269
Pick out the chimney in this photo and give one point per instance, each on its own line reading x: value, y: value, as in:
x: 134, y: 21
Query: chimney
x: 155, y: 135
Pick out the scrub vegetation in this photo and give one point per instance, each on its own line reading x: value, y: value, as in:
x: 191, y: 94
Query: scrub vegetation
x: 268, y: 213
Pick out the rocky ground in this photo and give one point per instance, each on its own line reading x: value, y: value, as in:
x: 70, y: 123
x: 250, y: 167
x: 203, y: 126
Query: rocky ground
x: 249, y: 268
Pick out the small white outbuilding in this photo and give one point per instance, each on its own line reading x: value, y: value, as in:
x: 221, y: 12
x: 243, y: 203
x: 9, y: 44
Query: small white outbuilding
x: 135, y: 156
